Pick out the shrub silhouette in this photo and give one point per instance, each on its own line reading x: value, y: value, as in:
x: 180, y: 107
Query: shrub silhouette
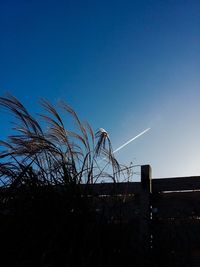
x: 48, y: 153
x: 47, y: 219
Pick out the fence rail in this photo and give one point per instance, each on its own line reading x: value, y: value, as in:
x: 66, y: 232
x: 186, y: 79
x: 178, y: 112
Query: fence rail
x: 176, y: 184
x: 168, y: 217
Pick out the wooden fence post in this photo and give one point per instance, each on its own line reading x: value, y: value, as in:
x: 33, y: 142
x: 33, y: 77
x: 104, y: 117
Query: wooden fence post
x: 145, y: 208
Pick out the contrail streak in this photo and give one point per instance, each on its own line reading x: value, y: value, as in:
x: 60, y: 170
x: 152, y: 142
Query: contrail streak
x: 128, y: 142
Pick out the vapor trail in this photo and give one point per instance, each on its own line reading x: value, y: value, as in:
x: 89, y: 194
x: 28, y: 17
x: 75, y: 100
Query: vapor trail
x: 128, y: 142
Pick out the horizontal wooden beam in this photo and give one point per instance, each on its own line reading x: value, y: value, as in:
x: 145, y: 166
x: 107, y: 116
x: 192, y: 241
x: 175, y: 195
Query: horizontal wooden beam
x: 176, y: 184
x: 112, y: 188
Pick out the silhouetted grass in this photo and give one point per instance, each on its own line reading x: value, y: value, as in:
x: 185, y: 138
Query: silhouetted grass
x: 46, y: 152
x: 46, y: 218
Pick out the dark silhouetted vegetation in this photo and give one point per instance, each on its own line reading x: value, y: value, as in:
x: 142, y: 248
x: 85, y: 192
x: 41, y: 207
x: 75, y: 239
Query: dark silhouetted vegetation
x: 47, y: 217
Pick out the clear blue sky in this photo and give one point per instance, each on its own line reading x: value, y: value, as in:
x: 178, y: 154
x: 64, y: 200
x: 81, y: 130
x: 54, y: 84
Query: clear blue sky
x: 122, y: 65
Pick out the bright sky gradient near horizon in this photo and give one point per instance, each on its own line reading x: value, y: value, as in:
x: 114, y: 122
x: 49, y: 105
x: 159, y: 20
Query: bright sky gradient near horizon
x: 122, y: 65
